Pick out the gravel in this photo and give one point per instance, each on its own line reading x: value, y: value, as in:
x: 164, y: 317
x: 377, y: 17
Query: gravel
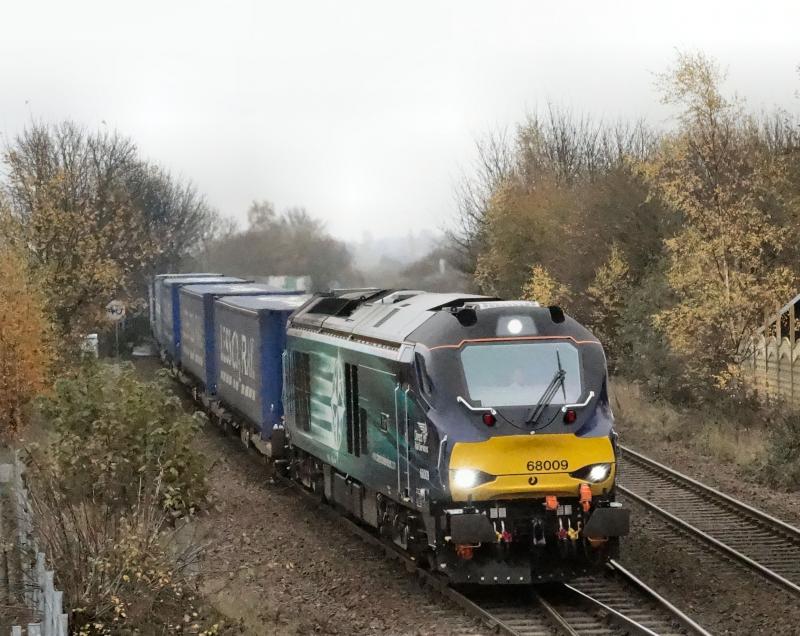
x: 277, y: 564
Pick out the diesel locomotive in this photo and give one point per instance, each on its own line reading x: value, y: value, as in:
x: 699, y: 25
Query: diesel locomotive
x: 475, y: 433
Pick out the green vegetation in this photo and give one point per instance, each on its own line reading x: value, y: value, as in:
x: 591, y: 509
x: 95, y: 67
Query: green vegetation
x: 780, y: 465
x: 106, y: 492
x: 116, y: 435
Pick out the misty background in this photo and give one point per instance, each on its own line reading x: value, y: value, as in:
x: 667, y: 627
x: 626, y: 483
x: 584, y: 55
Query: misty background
x: 364, y: 113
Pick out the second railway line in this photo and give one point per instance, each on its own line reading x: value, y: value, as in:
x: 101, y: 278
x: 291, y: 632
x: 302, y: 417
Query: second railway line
x: 749, y: 536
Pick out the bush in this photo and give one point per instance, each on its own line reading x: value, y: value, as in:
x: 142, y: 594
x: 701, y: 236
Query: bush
x: 117, y: 436
x: 781, y: 467
x: 122, y: 571
x: 106, y: 490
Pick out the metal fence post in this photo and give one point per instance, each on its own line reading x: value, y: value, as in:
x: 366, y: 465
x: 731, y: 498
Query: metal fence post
x: 39, y: 590
x: 791, y: 352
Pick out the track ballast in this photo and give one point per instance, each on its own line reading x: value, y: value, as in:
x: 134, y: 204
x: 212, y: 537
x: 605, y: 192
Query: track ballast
x: 747, y: 535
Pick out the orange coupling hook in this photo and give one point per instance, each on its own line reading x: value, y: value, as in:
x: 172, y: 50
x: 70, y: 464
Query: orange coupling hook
x: 586, y: 497
x: 464, y: 552
x: 551, y: 502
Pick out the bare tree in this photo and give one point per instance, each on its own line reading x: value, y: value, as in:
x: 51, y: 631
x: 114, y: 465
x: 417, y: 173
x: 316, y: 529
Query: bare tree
x: 493, y: 164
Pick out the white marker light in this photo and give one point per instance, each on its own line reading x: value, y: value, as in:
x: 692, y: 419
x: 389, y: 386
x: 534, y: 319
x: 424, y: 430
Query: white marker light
x: 465, y: 478
x: 599, y: 473
x: 514, y: 326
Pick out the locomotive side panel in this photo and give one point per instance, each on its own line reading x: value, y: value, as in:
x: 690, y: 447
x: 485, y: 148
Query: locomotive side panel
x: 357, y: 412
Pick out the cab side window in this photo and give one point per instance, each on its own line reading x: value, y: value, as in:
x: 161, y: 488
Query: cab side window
x: 425, y: 382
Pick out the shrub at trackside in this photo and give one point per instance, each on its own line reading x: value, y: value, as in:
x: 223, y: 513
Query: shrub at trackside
x: 106, y: 490
x: 117, y: 436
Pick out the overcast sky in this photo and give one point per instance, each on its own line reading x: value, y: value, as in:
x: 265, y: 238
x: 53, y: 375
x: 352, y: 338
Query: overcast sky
x: 363, y: 112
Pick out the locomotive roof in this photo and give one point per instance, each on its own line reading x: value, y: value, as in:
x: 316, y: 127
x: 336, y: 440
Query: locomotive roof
x: 194, y: 280
x: 188, y: 275
x: 281, y: 301
x: 387, y: 316
x: 229, y: 289
x: 387, y: 320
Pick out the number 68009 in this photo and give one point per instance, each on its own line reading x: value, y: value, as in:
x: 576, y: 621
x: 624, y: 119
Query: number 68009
x: 547, y: 464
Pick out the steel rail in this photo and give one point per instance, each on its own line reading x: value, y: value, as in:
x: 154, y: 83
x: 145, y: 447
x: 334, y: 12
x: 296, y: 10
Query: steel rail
x: 690, y: 625
x: 741, y: 505
x: 613, y: 616
x: 769, y: 526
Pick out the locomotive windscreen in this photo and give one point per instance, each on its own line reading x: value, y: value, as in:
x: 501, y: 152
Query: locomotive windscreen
x: 518, y: 374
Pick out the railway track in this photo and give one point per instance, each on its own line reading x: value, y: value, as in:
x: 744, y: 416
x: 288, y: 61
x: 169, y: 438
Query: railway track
x: 751, y: 537
x: 612, y: 604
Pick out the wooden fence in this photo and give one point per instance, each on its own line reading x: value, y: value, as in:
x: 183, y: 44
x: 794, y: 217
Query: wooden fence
x: 39, y: 591
x: 771, y: 359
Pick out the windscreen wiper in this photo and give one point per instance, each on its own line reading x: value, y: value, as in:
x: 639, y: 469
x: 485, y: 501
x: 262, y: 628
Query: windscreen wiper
x: 549, y: 393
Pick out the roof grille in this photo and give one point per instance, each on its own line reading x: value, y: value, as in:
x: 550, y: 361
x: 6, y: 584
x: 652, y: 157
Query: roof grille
x: 386, y: 317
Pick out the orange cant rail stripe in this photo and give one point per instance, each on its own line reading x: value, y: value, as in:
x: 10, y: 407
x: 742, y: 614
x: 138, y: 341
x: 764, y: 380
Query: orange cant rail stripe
x: 512, y: 339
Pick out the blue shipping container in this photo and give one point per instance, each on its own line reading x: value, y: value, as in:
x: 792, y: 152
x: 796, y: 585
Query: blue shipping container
x: 197, y: 325
x: 251, y: 337
x: 154, y: 292
x: 168, y: 302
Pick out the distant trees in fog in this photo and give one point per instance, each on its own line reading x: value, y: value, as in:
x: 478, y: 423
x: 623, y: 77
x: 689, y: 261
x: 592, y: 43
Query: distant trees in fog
x: 291, y: 243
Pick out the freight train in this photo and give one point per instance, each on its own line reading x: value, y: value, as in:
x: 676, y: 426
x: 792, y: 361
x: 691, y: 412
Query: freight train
x: 473, y: 432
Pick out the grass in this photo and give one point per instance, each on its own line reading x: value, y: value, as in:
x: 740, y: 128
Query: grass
x: 645, y: 422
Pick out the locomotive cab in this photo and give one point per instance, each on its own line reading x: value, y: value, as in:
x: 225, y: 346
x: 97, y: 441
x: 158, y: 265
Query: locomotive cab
x: 519, y: 399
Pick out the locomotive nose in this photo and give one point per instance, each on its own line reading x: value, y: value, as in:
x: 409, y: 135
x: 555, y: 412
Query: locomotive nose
x: 528, y: 466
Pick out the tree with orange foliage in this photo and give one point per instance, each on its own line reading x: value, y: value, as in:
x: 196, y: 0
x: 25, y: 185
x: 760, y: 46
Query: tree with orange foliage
x: 25, y: 344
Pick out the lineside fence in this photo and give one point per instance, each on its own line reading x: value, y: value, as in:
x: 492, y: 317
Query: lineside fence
x: 38, y: 590
x: 771, y: 359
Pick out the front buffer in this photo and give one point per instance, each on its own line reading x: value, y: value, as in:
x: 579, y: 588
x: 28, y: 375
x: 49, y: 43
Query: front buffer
x: 529, y: 509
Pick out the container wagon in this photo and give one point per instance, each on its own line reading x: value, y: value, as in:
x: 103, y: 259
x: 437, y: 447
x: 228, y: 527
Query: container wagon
x: 197, y: 326
x: 251, y: 339
x: 154, y: 289
x: 167, y: 330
